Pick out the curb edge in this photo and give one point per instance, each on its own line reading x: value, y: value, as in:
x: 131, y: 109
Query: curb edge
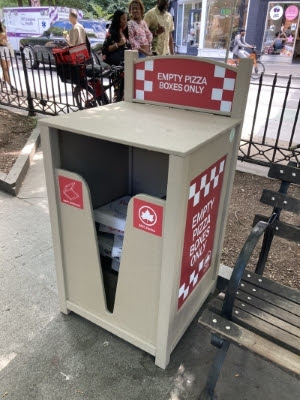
x: 11, y: 183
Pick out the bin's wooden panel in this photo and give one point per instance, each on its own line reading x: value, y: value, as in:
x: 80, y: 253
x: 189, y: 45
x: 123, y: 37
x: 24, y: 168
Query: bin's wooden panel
x: 80, y: 255
x: 181, y: 172
x: 135, y: 312
x: 137, y: 295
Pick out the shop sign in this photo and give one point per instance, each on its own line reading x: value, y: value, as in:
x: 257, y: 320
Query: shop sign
x: 185, y: 82
x: 148, y: 217
x: 202, y: 214
x: 291, y: 13
x: 70, y: 191
x: 276, y: 13
x: 225, y: 11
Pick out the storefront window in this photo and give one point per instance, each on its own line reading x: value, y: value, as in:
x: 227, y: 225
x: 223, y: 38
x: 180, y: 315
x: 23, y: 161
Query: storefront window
x: 188, y: 23
x: 282, y: 30
x: 179, y: 27
x: 219, y: 23
x: 187, y: 9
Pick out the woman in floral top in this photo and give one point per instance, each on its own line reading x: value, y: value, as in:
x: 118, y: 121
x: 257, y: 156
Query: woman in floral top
x: 140, y: 36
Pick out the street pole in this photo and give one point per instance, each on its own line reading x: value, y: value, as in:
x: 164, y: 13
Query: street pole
x: 233, y: 8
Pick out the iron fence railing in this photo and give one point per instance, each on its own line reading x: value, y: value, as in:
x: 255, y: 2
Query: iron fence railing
x: 271, y: 124
x: 39, y: 87
x: 36, y: 90
x: 270, y: 128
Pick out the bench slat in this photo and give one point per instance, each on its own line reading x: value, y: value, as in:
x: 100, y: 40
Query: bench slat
x: 240, y: 336
x: 280, y: 200
x: 277, y: 312
x: 284, y: 173
x: 243, y: 317
x: 275, y: 299
x: 216, y: 306
x: 272, y: 286
x: 281, y: 229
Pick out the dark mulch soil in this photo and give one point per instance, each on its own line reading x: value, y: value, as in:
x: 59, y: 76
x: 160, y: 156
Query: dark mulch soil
x: 284, y: 261
x: 15, y: 130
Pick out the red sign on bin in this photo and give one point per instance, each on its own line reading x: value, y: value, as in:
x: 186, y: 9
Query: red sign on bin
x: 202, y: 213
x: 147, y: 216
x: 70, y: 191
x: 185, y: 82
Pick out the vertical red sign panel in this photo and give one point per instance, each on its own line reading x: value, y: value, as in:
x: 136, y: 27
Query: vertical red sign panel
x: 202, y: 213
x: 185, y: 82
x: 70, y: 191
x: 148, y: 217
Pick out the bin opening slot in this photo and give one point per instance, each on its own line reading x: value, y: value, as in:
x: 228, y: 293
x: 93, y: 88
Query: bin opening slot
x: 112, y: 171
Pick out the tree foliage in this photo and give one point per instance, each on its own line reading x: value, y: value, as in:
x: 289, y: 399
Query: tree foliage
x: 99, y: 8
x: 110, y: 6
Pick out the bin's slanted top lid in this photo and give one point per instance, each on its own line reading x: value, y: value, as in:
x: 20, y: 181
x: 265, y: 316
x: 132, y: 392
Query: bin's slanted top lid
x: 167, y: 130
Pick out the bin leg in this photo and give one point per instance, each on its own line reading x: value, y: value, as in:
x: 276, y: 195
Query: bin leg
x: 64, y: 310
x: 162, y: 358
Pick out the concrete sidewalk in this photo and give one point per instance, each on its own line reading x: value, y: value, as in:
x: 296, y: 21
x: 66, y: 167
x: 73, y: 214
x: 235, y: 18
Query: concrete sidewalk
x: 47, y: 355
x: 283, y: 70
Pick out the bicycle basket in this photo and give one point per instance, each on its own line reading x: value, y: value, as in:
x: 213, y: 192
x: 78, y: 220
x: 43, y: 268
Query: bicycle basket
x: 70, y: 63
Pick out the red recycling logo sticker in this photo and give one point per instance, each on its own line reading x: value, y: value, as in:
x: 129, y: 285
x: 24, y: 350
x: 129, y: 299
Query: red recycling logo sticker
x: 70, y: 191
x: 147, y: 217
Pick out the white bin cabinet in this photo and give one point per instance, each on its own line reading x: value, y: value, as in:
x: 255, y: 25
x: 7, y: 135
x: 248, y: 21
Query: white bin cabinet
x: 160, y: 153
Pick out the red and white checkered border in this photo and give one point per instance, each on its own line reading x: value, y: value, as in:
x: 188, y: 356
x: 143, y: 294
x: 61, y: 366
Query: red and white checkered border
x: 217, y: 94
x: 208, y: 182
x: 140, y: 76
x: 228, y: 84
x: 185, y: 289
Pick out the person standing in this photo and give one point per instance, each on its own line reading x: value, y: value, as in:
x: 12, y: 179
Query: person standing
x: 117, y: 39
x: 5, y: 53
x: 140, y: 36
x: 114, y: 46
x: 160, y: 23
x: 77, y: 33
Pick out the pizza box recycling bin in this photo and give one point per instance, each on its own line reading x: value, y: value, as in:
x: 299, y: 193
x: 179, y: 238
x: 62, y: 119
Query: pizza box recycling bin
x: 161, y: 165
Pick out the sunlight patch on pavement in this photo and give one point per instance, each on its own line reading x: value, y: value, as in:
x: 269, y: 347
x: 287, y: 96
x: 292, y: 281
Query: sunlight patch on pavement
x: 6, y: 359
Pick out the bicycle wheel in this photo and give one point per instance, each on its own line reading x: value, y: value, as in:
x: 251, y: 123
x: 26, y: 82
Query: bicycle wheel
x: 84, y: 97
x: 257, y: 70
x: 118, y: 90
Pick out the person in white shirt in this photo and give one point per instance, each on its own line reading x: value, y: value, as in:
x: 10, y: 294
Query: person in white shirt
x: 77, y: 34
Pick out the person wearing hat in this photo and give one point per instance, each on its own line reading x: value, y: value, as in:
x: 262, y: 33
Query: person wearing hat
x: 240, y: 45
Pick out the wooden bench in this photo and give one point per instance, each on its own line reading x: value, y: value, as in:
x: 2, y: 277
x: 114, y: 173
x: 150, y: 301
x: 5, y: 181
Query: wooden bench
x: 257, y: 313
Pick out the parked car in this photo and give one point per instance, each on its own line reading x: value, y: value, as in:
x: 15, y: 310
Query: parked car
x: 38, y: 49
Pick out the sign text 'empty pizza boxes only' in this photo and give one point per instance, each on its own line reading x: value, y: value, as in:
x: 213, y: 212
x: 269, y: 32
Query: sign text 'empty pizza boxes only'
x: 138, y: 197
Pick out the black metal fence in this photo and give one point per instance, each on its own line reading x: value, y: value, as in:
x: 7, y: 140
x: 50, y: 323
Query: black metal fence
x: 36, y: 90
x: 271, y: 124
x: 40, y: 87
